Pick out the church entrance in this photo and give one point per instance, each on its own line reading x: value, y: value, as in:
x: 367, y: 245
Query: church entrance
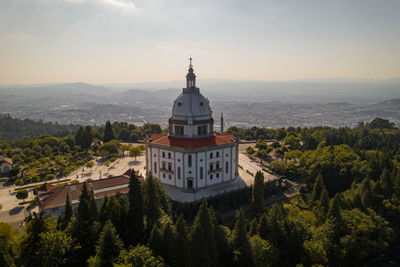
x: 190, y: 183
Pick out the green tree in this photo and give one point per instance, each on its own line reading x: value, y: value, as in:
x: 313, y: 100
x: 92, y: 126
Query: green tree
x: 109, y: 247
x: 84, y: 229
x: 8, y: 245
x: 240, y: 243
x: 135, y: 152
x: 262, y: 252
x: 139, y: 256
x: 181, y: 242
x: 31, y: 244
x: 135, y: 225
x: 202, y: 239
x: 386, y: 183
x: 257, y: 194
x: 108, y: 132
x: 250, y: 150
x: 56, y: 248
x: 317, y: 189
x: 22, y: 194
x: 151, y: 201
x: 124, y: 134
x: 68, y: 213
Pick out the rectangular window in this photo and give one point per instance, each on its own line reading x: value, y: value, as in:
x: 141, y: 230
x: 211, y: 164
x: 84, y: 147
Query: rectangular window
x: 217, y: 154
x: 169, y: 155
x: 163, y: 154
x: 179, y: 130
x: 211, y: 166
x: 226, y: 167
x: 217, y: 165
x: 211, y: 177
x: 217, y: 175
x: 163, y: 165
x: 163, y: 175
x: 169, y: 176
x: 169, y: 167
x: 190, y: 160
x: 201, y: 173
x: 155, y: 167
x: 179, y: 173
x: 211, y: 155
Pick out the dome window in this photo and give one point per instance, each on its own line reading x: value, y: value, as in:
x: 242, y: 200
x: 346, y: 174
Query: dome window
x: 179, y: 103
x: 201, y: 103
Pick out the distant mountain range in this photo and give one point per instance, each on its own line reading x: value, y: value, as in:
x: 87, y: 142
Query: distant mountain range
x: 139, y: 102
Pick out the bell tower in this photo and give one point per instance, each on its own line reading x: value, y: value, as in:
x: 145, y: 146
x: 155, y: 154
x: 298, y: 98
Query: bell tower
x: 190, y: 77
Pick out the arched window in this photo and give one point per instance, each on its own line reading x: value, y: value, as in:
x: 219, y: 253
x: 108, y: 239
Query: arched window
x: 226, y: 167
x: 179, y: 173
x: 201, y: 173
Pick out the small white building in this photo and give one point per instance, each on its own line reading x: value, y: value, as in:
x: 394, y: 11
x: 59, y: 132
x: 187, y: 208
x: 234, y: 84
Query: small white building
x: 5, y: 163
x: 191, y: 156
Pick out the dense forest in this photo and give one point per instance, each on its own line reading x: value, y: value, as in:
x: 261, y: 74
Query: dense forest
x: 348, y: 213
x: 46, y: 157
x: 12, y: 129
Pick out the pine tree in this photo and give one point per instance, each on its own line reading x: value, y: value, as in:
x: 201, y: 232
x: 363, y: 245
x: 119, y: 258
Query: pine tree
x: 240, y: 242
x: 84, y: 229
x: 109, y: 246
x: 202, y: 244
x: 155, y: 240
x: 263, y: 228
x: 257, y: 194
x: 334, y: 208
x: 168, y: 250
x: 152, y: 201
x: 324, y: 201
x: 31, y: 243
x: 94, y: 212
x: 386, y: 183
x: 317, y: 189
x: 224, y: 249
x: 108, y: 132
x: 83, y: 207
x: 181, y: 242
x: 135, y: 226
x: 68, y: 213
x: 253, y: 227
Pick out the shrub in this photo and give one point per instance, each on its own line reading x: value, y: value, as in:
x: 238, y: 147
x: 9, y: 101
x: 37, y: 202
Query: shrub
x: 19, y: 182
x: 22, y: 194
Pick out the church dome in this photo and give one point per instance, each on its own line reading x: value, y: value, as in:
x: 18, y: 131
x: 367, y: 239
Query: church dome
x: 191, y: 112
x: 191, y: 104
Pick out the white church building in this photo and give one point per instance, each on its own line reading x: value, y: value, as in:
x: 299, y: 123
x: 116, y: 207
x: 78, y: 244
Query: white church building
x: 191, y: 156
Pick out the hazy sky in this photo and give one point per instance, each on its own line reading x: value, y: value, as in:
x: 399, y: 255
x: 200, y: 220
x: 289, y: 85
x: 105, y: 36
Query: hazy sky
x: 101, y: 41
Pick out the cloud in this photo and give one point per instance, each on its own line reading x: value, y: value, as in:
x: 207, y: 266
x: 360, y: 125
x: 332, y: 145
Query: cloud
x: 120, y: 4
x: 124, y: 4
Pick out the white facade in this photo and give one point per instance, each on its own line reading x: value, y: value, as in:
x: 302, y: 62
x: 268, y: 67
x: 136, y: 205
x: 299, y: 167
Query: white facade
x: 192, y: 169
x: 189, y: 168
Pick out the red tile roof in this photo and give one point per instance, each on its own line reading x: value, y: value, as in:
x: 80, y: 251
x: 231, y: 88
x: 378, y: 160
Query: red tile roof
x: 216, y: 139
x: 58, y: 195
x: 45, y: 187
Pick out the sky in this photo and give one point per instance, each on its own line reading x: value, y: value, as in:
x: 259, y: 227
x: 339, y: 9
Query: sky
x: 122, y: 41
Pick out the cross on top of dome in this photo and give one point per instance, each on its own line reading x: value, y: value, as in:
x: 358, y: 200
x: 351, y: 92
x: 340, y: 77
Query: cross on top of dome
x: 190, y: 77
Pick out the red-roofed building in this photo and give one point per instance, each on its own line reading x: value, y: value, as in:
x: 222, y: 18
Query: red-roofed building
x: 5, y: 163
x: 52, y: 202
x: 191, y: 156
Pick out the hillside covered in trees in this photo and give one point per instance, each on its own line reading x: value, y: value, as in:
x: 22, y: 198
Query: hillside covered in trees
x: 12, y: 129
x: 348, y: 214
